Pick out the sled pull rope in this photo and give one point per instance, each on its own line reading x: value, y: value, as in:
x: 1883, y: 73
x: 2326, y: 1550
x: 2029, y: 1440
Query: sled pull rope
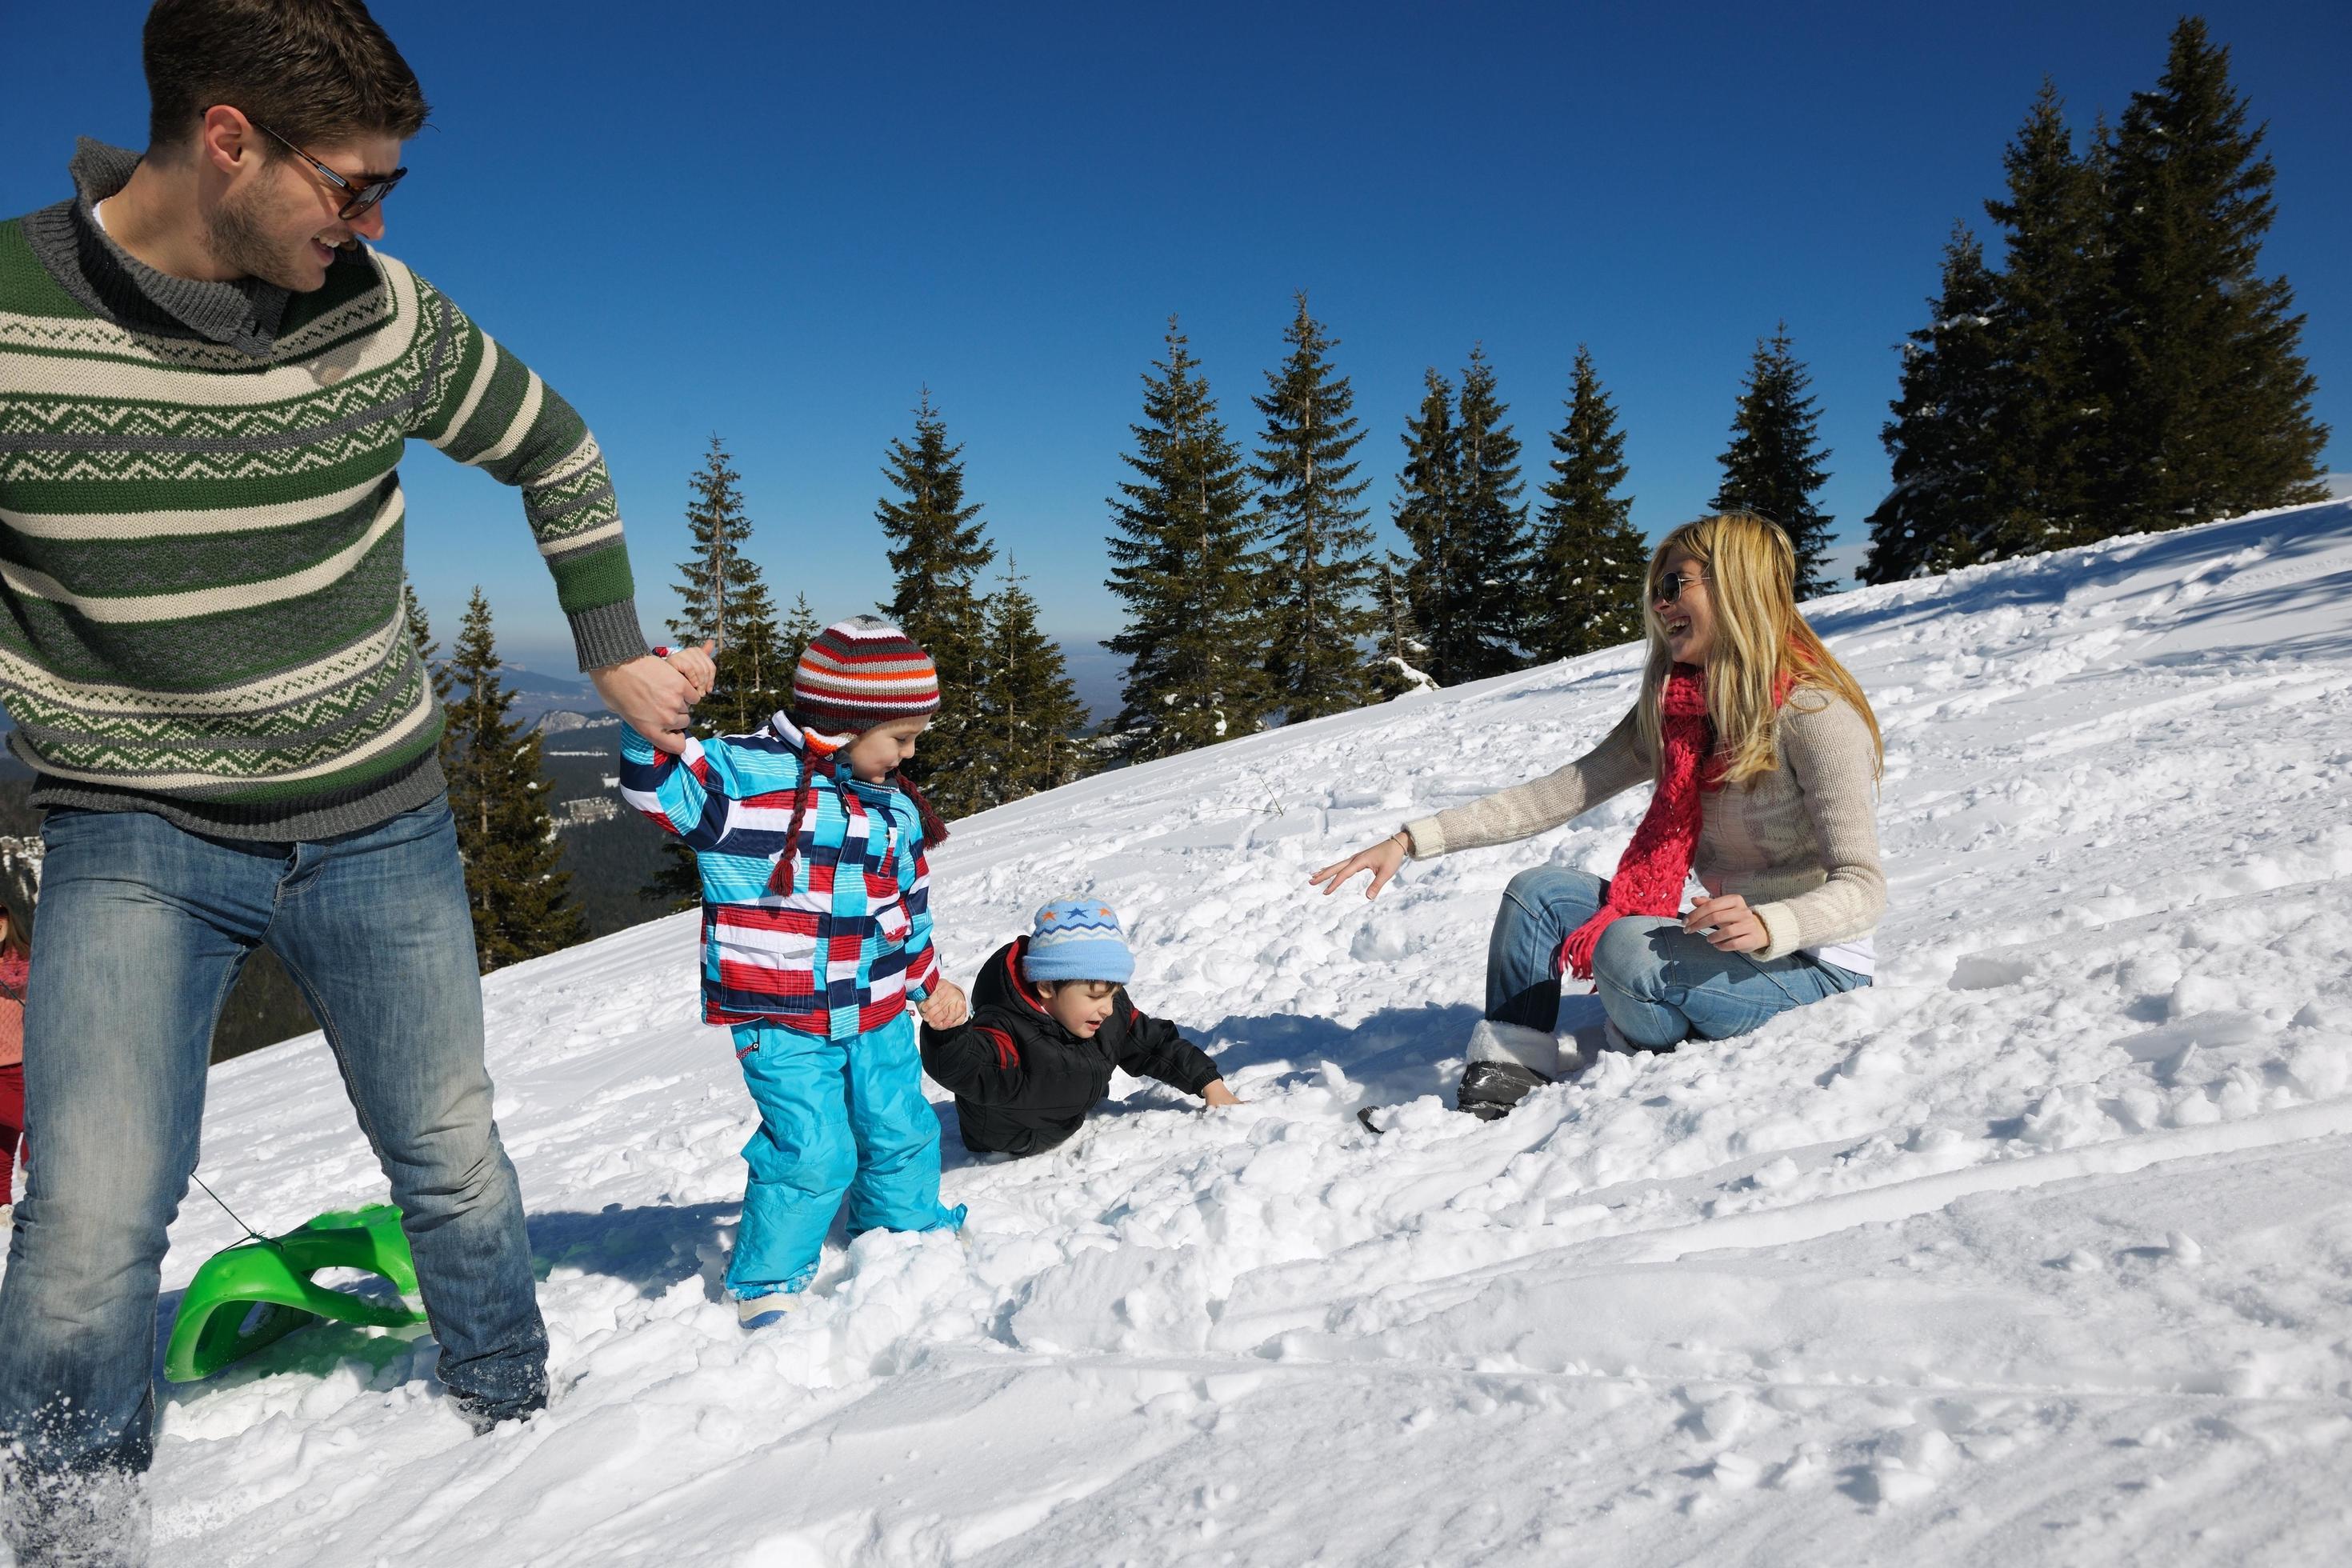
x: 266, y: 1241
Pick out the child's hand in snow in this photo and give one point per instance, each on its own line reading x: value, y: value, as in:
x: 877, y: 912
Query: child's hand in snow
x: 945, y: 1007
x: 1218, y: 1094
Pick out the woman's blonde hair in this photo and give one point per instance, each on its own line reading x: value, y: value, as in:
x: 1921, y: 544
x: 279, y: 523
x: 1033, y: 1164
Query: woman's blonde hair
x: 1751, y: 571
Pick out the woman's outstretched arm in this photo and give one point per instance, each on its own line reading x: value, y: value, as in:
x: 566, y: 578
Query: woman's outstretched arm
x: 1610, y: 768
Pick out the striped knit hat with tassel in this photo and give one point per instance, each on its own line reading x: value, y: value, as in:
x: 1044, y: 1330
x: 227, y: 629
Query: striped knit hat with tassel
x: 855, y: 675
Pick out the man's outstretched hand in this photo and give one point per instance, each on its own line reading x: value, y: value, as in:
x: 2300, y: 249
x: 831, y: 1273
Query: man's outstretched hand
x: 654, y: 698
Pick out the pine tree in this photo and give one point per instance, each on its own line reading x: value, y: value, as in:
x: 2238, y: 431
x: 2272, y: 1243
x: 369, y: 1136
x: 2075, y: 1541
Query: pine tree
x: 2048, y: 308
x: 429, y: 654
x: 1399, y: 650
x: 1775, y: 462
x: 794, y: 636
x: 420, y: 636
x: 1321, y: 547
x: 1428, y: 510
x: 1185, y: 563
x: 752, y: 675
x: 1953, y: 469
x: 1027, y: 710
x: 521, y: 903
x: 938, y: 549
x: 716, y: 521
x: 1592, y: 563
x: 1493, y: 555
x: 2211, y: 393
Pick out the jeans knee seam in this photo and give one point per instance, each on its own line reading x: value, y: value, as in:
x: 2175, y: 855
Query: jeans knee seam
x: 1792, y: 998
x: 220, y: 1000
x: 321, y: 1011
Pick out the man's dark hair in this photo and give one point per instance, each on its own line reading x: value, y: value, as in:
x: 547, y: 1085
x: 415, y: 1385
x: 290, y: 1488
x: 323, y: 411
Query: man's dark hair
x: 311, y: 70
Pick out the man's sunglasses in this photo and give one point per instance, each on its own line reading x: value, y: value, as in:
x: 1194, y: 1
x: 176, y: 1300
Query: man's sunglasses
x: 1669, y: 590
x: 360, y: 198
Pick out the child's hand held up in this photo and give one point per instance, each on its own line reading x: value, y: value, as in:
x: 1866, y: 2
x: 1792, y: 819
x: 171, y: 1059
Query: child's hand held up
x: 701, y: 670
x: 945, y: 1007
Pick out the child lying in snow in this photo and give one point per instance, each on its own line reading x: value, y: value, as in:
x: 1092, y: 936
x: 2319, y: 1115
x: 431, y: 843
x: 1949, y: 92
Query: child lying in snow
x: 1050, y: 1020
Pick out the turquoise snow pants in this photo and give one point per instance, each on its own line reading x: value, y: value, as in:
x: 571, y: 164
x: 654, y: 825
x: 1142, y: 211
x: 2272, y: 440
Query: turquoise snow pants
x: 836, y: 1117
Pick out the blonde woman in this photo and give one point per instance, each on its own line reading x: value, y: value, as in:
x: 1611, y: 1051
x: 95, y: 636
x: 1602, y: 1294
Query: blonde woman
x: 1765, y: 759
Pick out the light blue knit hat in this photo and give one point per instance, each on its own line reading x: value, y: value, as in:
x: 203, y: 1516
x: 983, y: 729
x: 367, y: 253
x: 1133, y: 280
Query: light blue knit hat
x: 1077, y: 939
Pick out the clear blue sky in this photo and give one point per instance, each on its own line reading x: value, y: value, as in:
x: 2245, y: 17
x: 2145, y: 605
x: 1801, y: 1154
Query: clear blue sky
x: 779, y: 223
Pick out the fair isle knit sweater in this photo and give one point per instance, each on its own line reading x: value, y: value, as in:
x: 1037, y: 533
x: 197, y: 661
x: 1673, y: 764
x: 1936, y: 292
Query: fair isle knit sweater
x: 201, y: 525
x: 1800, y: 842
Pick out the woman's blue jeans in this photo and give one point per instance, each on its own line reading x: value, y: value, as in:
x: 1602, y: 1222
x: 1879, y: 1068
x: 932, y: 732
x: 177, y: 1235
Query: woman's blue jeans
x: 143, y: 928
x: 1659, y: 984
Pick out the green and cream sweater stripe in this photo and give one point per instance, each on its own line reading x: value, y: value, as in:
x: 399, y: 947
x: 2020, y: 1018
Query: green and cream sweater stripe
x: 201, y: 526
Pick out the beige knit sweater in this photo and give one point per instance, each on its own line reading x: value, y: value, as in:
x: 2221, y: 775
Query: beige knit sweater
x: 1800, y: 842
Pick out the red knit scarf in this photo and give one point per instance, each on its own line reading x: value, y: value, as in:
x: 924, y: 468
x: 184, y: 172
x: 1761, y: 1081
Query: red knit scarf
x: 1652, y: 871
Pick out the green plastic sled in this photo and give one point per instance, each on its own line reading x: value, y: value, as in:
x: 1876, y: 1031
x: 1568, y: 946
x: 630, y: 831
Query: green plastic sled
x: 258, y: 1292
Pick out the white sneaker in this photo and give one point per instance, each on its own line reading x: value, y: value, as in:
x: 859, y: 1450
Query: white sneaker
x: 766, y: 1311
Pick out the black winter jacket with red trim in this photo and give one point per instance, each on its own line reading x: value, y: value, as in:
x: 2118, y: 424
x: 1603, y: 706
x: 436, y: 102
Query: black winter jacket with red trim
x: 1024, y: 1083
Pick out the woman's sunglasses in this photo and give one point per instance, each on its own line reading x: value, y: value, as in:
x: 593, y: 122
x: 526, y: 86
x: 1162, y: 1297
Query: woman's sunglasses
x: 360, y: 198
x: 1669, y: 590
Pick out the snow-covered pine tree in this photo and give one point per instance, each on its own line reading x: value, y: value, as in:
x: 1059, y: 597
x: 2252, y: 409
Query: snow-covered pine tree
x: 1775, y: 463
x: 1027, y: 711
x: 2049, y: 308
x: 1592, y: 563
x: 1492, y: 555
x: 938, y: 549
x: 1320, y: 548
x: 719, y: 528
x: 1399, y: 650
x: 1428, y: 513
x: 2211, y: 394
x: 1185, y: 563
x: 1952, y: 472
x: 521, y: 901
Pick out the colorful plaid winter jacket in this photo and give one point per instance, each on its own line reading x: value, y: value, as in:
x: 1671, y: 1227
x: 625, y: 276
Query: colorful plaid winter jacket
x: 850, y: 946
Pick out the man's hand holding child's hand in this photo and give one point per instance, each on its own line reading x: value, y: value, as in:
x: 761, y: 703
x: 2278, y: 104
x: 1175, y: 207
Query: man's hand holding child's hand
x: 945, y: 1007
x: 701, y: 670
x: 657, y: 701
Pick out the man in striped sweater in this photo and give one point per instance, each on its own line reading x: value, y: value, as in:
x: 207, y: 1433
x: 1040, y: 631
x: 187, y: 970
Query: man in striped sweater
x: 206, y: 381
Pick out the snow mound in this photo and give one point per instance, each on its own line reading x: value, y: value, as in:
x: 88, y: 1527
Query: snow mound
x: 2040, y: 1251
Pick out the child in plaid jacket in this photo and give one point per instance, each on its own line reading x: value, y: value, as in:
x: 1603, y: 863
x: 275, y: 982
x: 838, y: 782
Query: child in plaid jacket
x: 815, y: 939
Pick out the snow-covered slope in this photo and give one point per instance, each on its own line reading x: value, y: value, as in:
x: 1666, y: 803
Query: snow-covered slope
x: 2039, y: 1251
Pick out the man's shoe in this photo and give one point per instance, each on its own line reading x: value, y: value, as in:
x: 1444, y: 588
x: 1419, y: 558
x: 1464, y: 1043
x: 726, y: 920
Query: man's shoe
x: 1489, y: 1089
x: 93, y: 1517
x: 482, y: 1413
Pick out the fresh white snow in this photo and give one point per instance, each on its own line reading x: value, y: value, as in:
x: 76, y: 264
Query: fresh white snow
x: 2040, y: 1251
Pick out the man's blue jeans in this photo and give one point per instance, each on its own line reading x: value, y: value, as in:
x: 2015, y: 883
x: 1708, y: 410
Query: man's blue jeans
x: 1659, y: 984
x: 143, y: 928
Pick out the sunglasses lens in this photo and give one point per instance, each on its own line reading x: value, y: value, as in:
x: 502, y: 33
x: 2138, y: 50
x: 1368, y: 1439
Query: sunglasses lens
x: 369, y: 195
